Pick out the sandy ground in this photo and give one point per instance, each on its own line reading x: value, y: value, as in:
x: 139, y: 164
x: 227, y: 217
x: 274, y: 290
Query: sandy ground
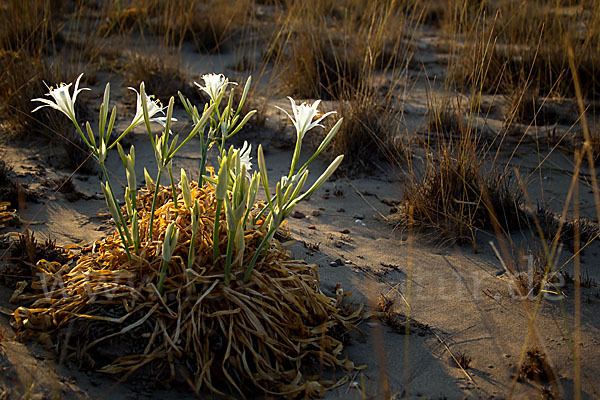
x: 461, y: 302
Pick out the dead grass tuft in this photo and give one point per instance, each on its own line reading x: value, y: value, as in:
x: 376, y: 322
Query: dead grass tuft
x: 398, y: 322
x: 454, y: 198
x: 320, y: 66
x: 269, y: 335
x: 9, y: 189
x: 335, y: 57
x: 513, y: 44
x: 446, y: 120
x: 369, y: 135
x: 163, y: 75
x: 535, y: 367
x: 533, y: 274
x: 23, y: 79
x: 210, y: 24
x: 32, y: 27
x: 530, y: 109
x: 8, y: 217
x: 564, y: 231
x: 463, y: 361
x: 25, y: 252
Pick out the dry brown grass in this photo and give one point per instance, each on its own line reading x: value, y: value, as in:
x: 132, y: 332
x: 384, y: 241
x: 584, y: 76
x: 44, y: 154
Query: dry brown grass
x: 23, y: 79
x: 511, y: 44
x: 32, y: 27
x: 369, y: 136
x: 454, y: 198
x: 210, y: 24
x: 269, y: 335
x: 43, y: 43
x: 536, y: 367
x: 343, y: 51
x: 463, y: 361
x: 526, y: 107
x: 163, y: 74
x: 9, y: 189
x: 335, y: 56
x: 454, y: 191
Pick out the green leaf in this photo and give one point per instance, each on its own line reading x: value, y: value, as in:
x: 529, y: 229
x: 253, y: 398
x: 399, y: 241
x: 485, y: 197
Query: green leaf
x: 223, y: 177
x: 324, y: 176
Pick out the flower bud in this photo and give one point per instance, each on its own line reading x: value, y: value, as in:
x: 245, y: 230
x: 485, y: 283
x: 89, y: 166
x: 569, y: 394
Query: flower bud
x: 170, y: 242
x: 186, y: 190
x: 149, y: 180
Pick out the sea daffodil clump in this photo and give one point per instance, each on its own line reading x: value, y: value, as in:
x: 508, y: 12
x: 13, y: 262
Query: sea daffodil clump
x: 197, y: 259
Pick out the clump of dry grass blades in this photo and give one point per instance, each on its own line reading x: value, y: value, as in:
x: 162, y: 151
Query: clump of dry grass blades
x: 8, y: 217
x: 454, y: 196
x: 263, y: 337
x: 330, y: 52
x: 9, y: 189
x: 181, y: 20
x: 22, y: 78
x: 30, y: 26
x: 369, y: 134
x: 511, y: 42
x: 536, y: 367
x: 162, y: 74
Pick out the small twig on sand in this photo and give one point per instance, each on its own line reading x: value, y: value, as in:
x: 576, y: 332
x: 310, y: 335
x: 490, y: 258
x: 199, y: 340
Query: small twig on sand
x: 452, y: 355
x: 366, y: 201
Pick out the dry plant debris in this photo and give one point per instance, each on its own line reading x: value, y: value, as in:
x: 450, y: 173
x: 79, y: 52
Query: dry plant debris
x: 454, y: 198
x: 263, y: 337
x: 536, y: 367
x: 463, y: 361
x: 25, y: 252
x: 398, y: 322
x: 8, y: 217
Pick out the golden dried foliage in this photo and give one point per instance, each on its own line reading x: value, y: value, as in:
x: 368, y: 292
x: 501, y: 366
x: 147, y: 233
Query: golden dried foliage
x: 265, y: 336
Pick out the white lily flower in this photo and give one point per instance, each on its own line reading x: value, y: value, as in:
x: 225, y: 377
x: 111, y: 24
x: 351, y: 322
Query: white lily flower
x: 63, y: 101
x: 163, y: 122
x: 284, y: 180
x: 154, y: 107
x: 304, y: 116
x: 245, y: 156
x: 214, y: 84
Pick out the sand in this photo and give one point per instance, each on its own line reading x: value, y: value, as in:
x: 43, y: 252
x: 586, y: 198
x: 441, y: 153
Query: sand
x: 461, y: 302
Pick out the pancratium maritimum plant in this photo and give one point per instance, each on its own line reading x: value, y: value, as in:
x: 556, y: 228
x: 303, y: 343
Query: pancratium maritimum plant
x: 303, y: 120
x: 288, y: 191
x: 63, y: 100
x: 214, y: 85
x: 202, y: 262
x: 235, y: 186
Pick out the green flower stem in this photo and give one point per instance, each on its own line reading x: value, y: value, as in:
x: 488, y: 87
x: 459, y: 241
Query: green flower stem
x: 191, y: 251
x: 203, y: 163
x: 125, y: 238
x: 135, y: 215
x: 125, y: 246
x: 118, y: 139
x: 122, y: 220
x: 216, y: 231
x: 156, y: 184
x: 295, y: 158
x: 82, y: 135
x: 174, y: 190
x: 230, y: 242
x: 163, y: 274
x: 261, y: 212
x: 262, y: 244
